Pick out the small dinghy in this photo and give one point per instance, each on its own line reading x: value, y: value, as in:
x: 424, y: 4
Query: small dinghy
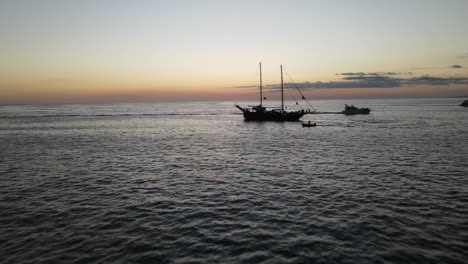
x: 308, y: 124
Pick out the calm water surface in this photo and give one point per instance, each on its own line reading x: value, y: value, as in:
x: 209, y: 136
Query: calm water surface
x: 194, y: 183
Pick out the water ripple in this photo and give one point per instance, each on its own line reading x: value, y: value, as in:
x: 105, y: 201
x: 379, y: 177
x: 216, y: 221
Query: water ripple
x: 139, y: 188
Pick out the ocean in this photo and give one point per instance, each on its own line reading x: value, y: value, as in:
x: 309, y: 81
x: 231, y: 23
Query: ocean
x: 195, y: 183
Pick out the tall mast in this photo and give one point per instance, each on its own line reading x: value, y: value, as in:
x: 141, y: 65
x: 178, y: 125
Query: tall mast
x: 282, y: 93
x: 261, y: 92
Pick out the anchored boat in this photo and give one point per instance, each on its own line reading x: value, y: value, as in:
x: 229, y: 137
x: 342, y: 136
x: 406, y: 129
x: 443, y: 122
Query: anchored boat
x: 352, y: 110
x: 260, y: 112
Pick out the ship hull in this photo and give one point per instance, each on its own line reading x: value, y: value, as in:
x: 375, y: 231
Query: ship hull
x: 272, y: 116
x: 356, y: 112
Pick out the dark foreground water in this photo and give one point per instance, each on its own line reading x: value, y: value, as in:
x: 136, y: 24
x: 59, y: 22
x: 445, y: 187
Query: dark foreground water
x: 194, y: 183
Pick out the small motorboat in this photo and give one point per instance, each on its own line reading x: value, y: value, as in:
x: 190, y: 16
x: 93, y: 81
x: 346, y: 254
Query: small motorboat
x: 464, y: 104
x: 308, y: 124
x: 352, y: 110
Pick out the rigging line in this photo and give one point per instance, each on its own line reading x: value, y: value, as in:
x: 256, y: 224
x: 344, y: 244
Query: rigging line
x: 294, y: 83
x: 292, y: 95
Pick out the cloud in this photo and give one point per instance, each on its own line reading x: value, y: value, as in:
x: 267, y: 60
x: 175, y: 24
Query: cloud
x: 347, y: 82
x: 369, y: 80
x: 367, y: 74
x: 428, y: 80
x: 351, y: 73
x: 456, y: 66
x: 375, y: 78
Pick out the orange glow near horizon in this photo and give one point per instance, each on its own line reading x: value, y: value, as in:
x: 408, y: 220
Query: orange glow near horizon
x: 28, y: 95
x: 53, y: 52
x: 201, y: 85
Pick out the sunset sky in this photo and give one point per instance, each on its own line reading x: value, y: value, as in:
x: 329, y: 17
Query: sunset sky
x: 137, y: 51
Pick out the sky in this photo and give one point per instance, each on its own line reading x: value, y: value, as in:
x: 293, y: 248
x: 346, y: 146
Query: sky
x: 141, y: 51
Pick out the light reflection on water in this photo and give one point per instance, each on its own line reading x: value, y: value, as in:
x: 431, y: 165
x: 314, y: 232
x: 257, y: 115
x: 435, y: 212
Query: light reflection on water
x: 193, y: 182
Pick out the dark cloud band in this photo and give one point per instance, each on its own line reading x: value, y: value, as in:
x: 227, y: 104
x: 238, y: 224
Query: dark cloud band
x: 366, y: 80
